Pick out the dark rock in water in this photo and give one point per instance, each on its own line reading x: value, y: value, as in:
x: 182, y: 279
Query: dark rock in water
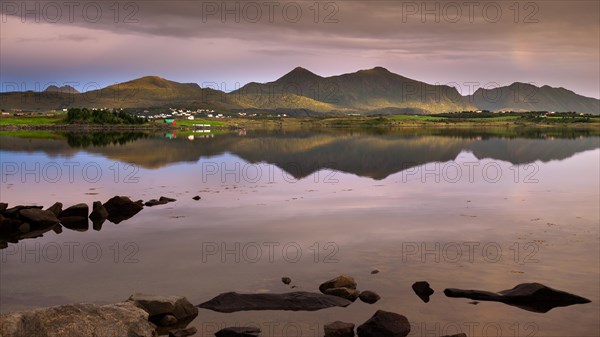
x: 56, y: 208
x: 98, y: 212
x: 457, y: 335
x: 13, y: 211
x: 36, y: 216
x: 339, y: 329
x: 57, y: 229
x: 343, y: 292
x: 373, y: 272
x: 166, y: 200
x: 122, y: 319
x: 238, y: 332
x: 341, y: 281
x: 140, y: 203
x: 79, y: 210
x: 183, y: 332
x: 121, y: 208
x: 158, y: 307
x: 423, y: 290
x: 197, y: 198
x: 76, y: 223
x: 534, y: 297
x: 3, y: 206
x: 385, y: 324
x: 295, y: 301
x: 97, y: 224
x: 286, y: 280
x: 160, y: 201
x: 369, y: 297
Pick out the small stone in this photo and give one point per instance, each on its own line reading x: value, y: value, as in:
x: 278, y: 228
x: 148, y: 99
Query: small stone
x: 375, y: 271
x: 369, y: 297
x: 339, y: 329
x: 197, y: 198
x: 423, y: 290
x: 286, y: 280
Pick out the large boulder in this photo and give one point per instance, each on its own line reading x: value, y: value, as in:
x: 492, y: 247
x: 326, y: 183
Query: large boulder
x: 36, y: 216
x: 295, y: 301
x: 79, y: 210
x: 534, y: 297
x: 342, y: 281
x: 122, y: 319
x: 162, y: 309
x: 384, y: 324
x: 121, y: 208
x: 339, y: 329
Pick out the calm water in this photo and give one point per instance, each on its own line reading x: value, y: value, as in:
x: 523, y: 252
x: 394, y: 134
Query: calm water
x: 472, y: 210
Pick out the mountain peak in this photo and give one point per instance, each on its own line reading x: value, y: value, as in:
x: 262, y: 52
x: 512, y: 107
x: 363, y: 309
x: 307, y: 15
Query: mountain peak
x: 299, y: 74
x: 66, y: 89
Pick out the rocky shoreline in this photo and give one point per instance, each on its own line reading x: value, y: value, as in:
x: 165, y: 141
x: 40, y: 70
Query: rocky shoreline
x: 143, y: 315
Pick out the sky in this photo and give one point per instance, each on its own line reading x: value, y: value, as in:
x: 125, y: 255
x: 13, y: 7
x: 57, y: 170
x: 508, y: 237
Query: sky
x: 226, y: 44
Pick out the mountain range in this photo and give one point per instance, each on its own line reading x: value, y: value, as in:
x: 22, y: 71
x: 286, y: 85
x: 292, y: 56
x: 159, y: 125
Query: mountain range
x: 372, y: 91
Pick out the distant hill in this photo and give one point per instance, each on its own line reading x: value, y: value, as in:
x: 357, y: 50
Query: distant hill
x: 375, y: 90
x: 528, y: 97
x: 65, y: 89
x: 302, y: 92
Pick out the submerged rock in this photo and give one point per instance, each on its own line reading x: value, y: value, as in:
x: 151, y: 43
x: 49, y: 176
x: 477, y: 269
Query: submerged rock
x: 339, y: 329
x: 385, y: 324
x: 183, y: 332
x: 423, y: 290
x: 238, y: 332
x: 160, y: 201
x: 121, y: 208
x: 286, y: 280
x: 197, y: 198
x: 121, y: 319
x: 295, y: 301
x: 369, y: 297
x: 534, y: 297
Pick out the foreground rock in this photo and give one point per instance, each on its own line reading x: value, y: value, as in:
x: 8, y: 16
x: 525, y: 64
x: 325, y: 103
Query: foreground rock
x: 423, y: 290
x: 385, y: 324
x: 122, y: 319
x: 343, y: 292
x: 369, y: 297
x: 121, y: 208
x: 167, y: 312
x: 339, y: 329
x: 534, y: 297
x: 295, y: 301
x: 238, y: 332
x: 342, y: 281
x: 286, y: 280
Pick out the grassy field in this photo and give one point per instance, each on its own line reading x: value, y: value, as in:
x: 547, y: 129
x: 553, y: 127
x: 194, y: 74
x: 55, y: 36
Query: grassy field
x: 189, y: 123
x: 31, y: 120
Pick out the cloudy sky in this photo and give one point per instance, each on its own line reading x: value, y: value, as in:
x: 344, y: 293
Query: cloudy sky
x: 463, y: 43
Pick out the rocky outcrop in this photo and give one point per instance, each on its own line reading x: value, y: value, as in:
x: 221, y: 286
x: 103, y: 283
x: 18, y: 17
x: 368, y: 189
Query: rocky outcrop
x: 121, y: 319
x: 385, y: 324
x: 295, y: 301
x: 534, y: 297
